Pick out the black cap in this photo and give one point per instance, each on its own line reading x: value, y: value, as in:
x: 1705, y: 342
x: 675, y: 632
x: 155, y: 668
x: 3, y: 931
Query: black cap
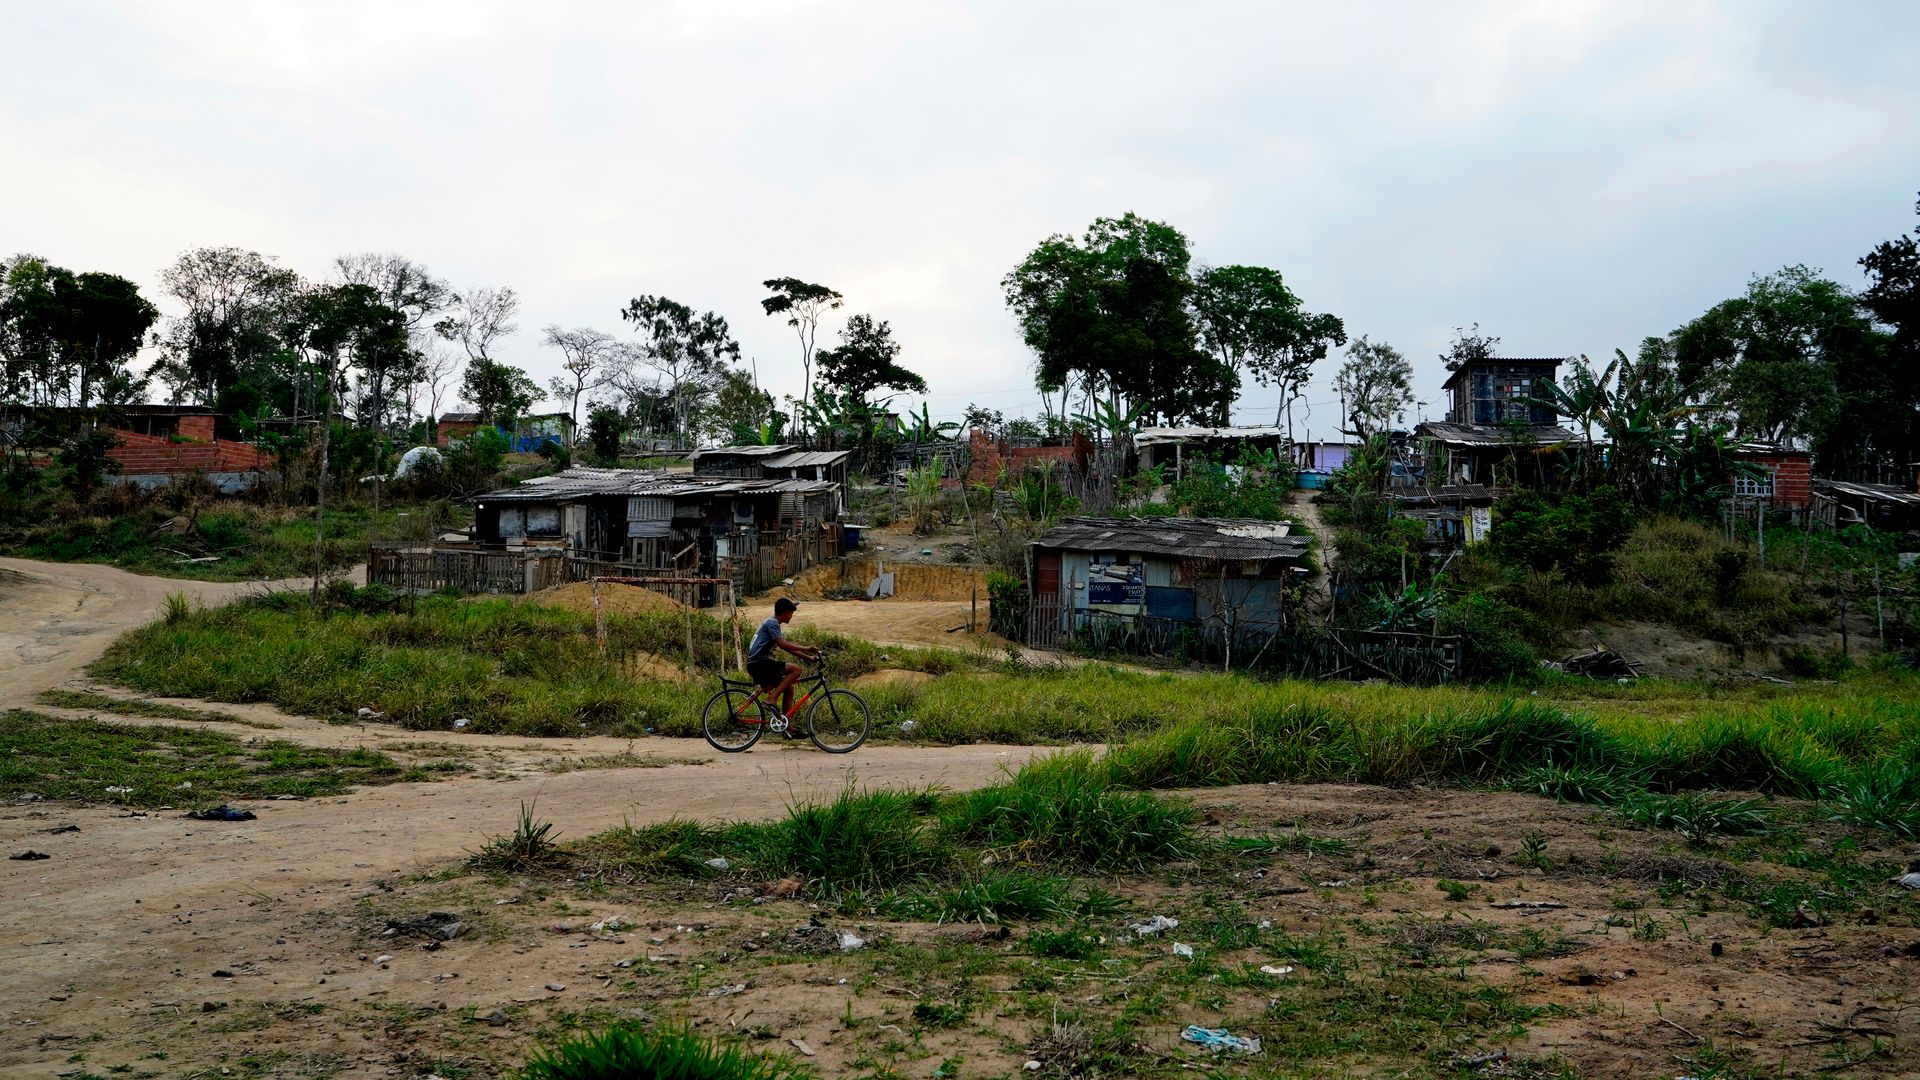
x: 785, y: 603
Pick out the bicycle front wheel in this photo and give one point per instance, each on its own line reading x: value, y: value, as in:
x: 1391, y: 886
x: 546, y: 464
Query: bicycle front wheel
x: 838, y: 721
x: 731, y: 721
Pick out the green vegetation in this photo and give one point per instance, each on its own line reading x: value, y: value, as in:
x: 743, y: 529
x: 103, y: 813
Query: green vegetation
x: 628, y: 1051
x: 80, y: 699
x: 244, y: 541
x: 154, y: 766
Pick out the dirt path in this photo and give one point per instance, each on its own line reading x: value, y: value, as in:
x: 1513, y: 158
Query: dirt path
x: 135, y: 909
x: 901, y: 622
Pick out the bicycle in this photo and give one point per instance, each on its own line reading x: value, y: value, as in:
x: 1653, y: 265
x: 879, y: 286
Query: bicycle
x: 840, y: 729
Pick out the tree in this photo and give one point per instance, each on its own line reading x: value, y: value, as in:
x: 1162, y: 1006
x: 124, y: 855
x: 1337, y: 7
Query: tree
x: 685, y: 351
x: 231, y: 348
x: 1253, y: 321
x: 1469, y: 346
x: 67, y: 338
x: 605, y: 427
x: 742, y: 411
x: 1376, y: 385
x: 588, y: 359
x: 1794, y: 358
x: 410, y: 289
x: 1892, y: 389
x: 802, y: 303
x: 867, y: 359
x: 478, y: 318
x: 1110, y: 310
x: 500, y: 393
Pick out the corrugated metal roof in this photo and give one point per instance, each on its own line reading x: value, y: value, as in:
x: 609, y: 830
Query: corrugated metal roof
x: 1182, y: 538
x: 584, y: 482
x: 1884, y: 492
x: 742, y: 451
x: 1493, y: 434
x: 1154, y: 436
x: 806, y: 459
x: 1443, y: 493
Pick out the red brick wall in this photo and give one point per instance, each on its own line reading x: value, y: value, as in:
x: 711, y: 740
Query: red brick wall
x: 989, y: 455
x: 1792, y: 478
x: 458, y: 429
x: 154, y: 455
x: 197, y: 428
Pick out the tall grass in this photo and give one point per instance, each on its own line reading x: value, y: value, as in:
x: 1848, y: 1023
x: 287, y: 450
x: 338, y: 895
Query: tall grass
x: 671, y: 1053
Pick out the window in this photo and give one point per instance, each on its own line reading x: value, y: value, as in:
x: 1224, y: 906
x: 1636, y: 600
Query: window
x: 1755, y: 487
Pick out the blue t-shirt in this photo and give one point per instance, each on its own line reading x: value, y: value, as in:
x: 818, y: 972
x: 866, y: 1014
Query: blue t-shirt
x: 763, y: 640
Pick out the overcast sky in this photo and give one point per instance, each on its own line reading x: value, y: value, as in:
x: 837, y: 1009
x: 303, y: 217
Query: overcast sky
x: 1572, y: 175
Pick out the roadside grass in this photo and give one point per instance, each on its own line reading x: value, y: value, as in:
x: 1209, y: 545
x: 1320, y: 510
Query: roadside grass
x: 81, y: 760
x: 244, y: 541
x: 106, y: 703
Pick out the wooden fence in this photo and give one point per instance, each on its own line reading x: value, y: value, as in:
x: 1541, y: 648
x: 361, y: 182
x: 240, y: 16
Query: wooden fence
x: 463, y: 570
x: 1299, y: 649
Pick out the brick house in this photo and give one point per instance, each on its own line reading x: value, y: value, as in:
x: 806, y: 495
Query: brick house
x: 988, y: 455
x: 456, y: 425
x: 1784, y: 476
x: 179, y: 442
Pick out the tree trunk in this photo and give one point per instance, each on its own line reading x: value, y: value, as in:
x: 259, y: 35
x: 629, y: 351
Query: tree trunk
x: 320, y: 493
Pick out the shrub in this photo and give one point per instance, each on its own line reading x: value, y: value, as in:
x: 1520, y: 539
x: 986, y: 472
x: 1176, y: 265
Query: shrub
x: 628, y: 1052
x: 1064, y: 809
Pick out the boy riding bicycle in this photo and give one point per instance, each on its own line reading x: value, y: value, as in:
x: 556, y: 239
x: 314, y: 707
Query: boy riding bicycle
x: 770, y: 673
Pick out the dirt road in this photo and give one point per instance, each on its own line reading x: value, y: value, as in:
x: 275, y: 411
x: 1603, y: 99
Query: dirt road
x: 130, y: 910
x: 901, y: 622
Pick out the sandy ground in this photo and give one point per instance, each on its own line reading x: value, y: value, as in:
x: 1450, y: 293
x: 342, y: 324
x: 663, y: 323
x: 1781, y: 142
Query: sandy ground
x: 901, y: 622
x: 131, y: 910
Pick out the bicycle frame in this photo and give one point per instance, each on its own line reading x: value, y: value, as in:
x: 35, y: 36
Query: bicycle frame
x: 816, y: 683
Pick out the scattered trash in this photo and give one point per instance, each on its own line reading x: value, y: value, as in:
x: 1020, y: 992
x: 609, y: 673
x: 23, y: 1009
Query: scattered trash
x: 1530, y: 905
x: 907, y: 726
x: 1481, y: 1061
x: 57, y: 829
x: 184, y: 785
x: 1269, y: 969
x: 30, y: 856
x: 1154, y: 925
x: 497, y: 1018
x: 1031, y: 1066
x: 461, y: 724
x: 727, y: 991
x: 368, y: 714
x: 34, y: 796
x: 222, y: 812
x: 1183, y: 950
x: 850, y: 941
x: 1217, y: 1039
x: 801, y: 1045
x: 383, y: 958
x: 1601, y: 664
x: 926, y: 551
x: 506, y: 900
x: 719, y: 862
x: 1908, y: 881
x: 116, y: 789
x: 556, y: 987
x: 612, y: 924
x: 437, y: 925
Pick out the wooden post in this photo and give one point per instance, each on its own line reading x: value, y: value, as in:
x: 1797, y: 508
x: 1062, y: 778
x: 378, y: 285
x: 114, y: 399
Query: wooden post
x: 733, y: 608
x: 599, y: 617
x: 973, y: 614
x: 690, y: 662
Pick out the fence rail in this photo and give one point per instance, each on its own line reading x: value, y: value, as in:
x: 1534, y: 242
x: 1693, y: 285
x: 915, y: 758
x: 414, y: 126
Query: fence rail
x: 468, y: 571
x: 1298, y: 649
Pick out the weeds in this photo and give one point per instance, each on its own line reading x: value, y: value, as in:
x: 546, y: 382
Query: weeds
x: 628, y: 1051
x: 1696, y: 816
x: 1064, y: 810
x: 530, y: 847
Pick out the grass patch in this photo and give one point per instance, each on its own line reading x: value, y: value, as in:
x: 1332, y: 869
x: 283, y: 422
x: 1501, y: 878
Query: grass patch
x: 105, y: 703
x: 627, y: 1051
x: 152, y: 766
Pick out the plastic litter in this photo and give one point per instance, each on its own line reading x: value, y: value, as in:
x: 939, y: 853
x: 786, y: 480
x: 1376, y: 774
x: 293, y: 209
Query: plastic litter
x: 114, y: 790
x: 383, y: 958
x: 1031, y: 1066
x: 1269, y: 969
x: 1908, y: 881
x: 720, y: 863
x: 1183, y: 950
x: 1217, y: 1039
x: 907, y: 726
x: 727, y: 990
x: 30, y: 856
x: 461, y: 724
x: 222, y: 812
x: 368, y: 714
x: 850, y: 941
x: 1154, y: 925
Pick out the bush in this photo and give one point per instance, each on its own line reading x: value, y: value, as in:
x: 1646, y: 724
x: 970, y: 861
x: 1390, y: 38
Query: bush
x: 629, y: 1052
x: 1066, y: 809
x: 1496, y: 638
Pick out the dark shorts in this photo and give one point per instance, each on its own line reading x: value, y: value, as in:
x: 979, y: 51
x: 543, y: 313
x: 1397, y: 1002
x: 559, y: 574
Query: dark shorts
x: 767, y: 672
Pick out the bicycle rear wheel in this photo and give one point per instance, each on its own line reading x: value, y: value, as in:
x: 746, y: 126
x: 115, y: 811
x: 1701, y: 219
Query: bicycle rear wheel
x: 838, y: 721
x: 722, y: 723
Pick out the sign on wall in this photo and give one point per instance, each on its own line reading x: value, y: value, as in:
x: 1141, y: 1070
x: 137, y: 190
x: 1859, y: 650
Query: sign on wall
x: 1111, y: 582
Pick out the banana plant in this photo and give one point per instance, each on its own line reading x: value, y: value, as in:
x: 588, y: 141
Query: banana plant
x: 920, y: 429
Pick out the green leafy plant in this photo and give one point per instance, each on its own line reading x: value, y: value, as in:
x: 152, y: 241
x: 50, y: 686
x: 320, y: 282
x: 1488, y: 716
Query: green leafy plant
x: 628, y: 1052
